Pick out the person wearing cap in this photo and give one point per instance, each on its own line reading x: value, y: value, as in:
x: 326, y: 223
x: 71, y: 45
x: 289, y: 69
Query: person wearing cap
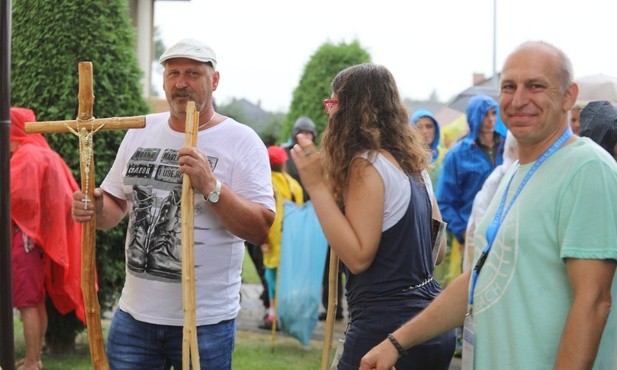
x: 285, y: 188
x: 303, y: 125
x: 230, y: 175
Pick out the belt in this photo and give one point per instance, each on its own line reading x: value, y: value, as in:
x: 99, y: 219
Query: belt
x: 421, y: 284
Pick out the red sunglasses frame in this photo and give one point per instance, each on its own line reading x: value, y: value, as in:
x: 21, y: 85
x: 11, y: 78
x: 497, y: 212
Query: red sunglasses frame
x: 328, y: 104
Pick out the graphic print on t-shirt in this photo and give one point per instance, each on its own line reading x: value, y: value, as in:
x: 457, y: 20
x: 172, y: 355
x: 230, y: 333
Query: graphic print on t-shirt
x: 154, y: 230
x: 498, y: 270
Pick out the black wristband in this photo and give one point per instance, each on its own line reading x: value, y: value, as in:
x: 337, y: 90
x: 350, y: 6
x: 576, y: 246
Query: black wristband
x: 401, y: 351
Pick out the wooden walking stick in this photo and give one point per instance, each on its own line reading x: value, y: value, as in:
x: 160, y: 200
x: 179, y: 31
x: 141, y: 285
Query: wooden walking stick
x: 190, y: 349
x: 331, y: 310
x: 84, y: 127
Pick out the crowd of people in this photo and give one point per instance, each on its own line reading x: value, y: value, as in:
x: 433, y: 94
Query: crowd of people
x: 466, y: 177
x: 523, y: 277
x: 543, y: 262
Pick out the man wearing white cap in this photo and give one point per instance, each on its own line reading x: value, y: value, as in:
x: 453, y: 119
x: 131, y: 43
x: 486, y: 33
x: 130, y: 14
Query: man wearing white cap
x: 230, y: 173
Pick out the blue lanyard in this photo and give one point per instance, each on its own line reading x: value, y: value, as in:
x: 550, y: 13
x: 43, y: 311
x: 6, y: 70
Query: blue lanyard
x: 500, y: 215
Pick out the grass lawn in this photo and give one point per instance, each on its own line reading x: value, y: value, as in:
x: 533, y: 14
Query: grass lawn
x: 249, y: 274
x: 253, y: 351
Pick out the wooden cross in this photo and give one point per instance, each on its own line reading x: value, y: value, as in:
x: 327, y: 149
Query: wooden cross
x: 84, y: 127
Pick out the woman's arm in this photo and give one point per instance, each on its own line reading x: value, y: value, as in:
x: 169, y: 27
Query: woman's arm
x: 354, y: 235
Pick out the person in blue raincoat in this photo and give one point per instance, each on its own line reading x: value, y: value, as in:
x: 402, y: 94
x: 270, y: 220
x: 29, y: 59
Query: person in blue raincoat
x: 429, y: 128
x: 466, y: 166
x: 468, y: 163
x: 426, y: 122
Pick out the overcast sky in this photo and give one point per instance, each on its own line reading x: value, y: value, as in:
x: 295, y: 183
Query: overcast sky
x: 263, y: 46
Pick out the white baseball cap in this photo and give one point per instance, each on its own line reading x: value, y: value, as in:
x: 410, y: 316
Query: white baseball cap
x: 191, y: 49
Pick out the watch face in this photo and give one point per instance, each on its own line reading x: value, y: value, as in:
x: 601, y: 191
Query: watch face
x: 213, y: 198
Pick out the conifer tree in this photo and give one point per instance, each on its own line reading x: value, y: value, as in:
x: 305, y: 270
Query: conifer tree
x: 314, y: 85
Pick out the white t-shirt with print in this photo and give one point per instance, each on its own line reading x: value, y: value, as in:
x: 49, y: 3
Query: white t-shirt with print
x: 145, y: 174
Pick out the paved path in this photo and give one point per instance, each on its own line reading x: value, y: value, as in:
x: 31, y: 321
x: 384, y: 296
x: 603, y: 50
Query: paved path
x: 252, y: 312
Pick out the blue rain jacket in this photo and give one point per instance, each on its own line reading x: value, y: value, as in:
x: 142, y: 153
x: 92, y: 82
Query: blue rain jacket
x: 465, y: 168
x: 435, y: 144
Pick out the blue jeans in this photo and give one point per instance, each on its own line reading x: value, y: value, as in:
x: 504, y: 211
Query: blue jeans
x: 134, y: 345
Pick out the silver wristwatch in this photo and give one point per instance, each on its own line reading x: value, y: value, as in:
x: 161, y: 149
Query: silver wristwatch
x: 215, y: 194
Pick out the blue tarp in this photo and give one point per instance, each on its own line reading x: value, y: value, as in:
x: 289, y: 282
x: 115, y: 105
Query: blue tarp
x: 300, y: 275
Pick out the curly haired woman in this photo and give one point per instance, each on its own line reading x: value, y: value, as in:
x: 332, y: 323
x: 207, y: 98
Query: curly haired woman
x: 373, y: 197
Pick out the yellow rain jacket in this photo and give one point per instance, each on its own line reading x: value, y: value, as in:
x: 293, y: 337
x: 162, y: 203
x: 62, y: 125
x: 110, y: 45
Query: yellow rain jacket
x: 285, y: 188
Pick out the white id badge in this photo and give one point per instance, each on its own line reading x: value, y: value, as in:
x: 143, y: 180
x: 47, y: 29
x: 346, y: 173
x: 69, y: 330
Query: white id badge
x: 468, y: 343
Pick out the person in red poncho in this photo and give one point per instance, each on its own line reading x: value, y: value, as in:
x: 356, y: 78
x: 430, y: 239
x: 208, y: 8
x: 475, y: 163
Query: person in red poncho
x: 46, y: 248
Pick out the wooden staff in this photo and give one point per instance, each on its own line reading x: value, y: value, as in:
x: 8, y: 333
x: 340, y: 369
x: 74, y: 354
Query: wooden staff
x: 84, y: 127
x: 190, y: 349
x: 331, y: 310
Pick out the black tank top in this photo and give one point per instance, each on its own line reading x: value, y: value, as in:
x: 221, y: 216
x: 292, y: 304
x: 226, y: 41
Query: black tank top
x: 403, y: 265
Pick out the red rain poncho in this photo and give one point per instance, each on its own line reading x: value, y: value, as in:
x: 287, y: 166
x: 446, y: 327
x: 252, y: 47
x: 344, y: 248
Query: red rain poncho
x: 42, y: 187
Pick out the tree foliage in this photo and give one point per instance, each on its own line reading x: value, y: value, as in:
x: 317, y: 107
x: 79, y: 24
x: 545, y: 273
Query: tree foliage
x: 266, y: 124
x: 49, y: 39
x: 314, y: 84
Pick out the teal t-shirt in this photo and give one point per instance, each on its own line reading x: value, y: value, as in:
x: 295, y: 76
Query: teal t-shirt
x: 568, y: 209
